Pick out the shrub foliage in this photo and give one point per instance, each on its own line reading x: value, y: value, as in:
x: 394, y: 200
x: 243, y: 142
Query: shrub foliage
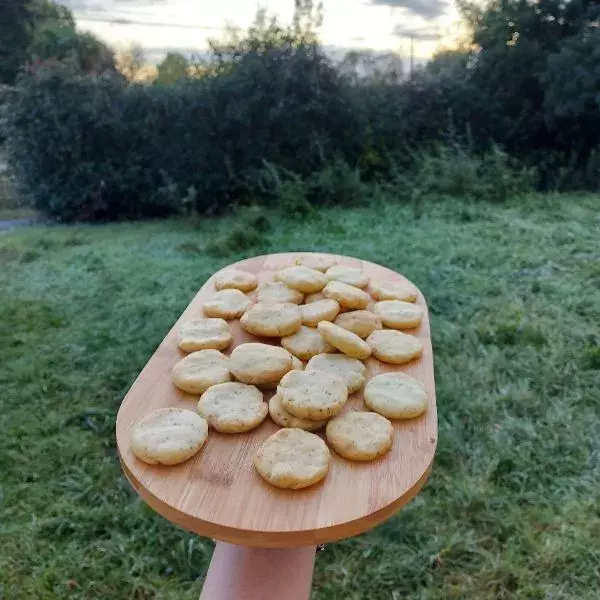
x: 273, y: 119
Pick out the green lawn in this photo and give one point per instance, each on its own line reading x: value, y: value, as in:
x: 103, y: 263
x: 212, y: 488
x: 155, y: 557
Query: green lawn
x: 512, y: 509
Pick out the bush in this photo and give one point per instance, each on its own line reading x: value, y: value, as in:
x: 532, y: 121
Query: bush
x: 274, y: 119
x: 81, y: 147
x: 95, y: 147
x: 336, y: 183
x: 455, y: 171
x: 247, y: 235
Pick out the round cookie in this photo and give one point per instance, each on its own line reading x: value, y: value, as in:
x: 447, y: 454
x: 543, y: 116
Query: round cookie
x: 272, y: 320
x: 345, y: 341
x: 360, y: 435
x: 320, y: 310
x: 319, y: 262
x: 227, y: 304
x: 297, y: 365
x: 168, y: 436
x: 394, y: 347
x: 233, y: 407
x: 292, y: 458
x: 394, y: 290
x: 259, y: 364
x: 198, y: 371
x: 396, y: 396
x: 360, y: 322
x: 235, y: 279
x: 346, y: 295
x: 310, y: 298
x: 398, y: 314
x: 303, y: 279
x: 351, y: 370
x: 275, y: 292
x: 204, y: 334
x: 284, y: 418
x: 312, y: 394
x: 306, y: 343
x: 349, y: 275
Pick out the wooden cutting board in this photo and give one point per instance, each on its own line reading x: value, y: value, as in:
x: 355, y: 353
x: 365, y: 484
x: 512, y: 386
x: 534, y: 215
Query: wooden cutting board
x: 218, y: 493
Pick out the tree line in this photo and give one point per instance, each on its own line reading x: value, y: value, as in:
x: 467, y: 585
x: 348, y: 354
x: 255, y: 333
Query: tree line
x: 268, y: 114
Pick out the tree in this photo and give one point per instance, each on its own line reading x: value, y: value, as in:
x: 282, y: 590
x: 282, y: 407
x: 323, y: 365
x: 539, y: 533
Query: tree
x: 278, y: 98
x: 513, y: 41
x: 46, y: 11
x: 58, y: 41
x: 15, y: 35
x: 39, y: 30
x: 308, y: 18
x: 373, y: 67
x: 55, y: 36
x: 449, y: 62
x: 267, y: 34
x: 173, y: 68
x: 572, y: 92
x: 131, y: 62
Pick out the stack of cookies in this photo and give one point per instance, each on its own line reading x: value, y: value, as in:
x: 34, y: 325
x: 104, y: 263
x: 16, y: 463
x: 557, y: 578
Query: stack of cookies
x: 315, y: 311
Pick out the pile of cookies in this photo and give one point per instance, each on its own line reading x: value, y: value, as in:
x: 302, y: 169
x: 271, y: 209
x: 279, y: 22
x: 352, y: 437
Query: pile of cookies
x: 320, y: 312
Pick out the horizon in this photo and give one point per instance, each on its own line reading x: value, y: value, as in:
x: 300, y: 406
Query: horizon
x: 161, y: 26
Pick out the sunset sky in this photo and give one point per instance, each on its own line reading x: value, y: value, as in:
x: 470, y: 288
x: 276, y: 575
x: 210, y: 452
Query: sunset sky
x: 186, y: 25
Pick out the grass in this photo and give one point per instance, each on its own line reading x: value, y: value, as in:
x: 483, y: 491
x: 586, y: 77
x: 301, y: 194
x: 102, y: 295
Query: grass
x: 512, y: 507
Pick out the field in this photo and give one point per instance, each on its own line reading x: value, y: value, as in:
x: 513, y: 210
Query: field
x: 511, y: 510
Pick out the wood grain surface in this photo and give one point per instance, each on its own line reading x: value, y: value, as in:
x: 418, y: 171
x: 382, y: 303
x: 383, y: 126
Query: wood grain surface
x: 218, y: 493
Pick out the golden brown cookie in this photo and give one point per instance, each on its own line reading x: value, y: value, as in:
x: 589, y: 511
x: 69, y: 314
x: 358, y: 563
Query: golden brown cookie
x: 235, y: 279
x: 360, y: 435
x: 310, y: 298
x: 349, y: 275
x: 204, y: 334
x: 297, y: 365
x: 284, y: 418
x: 394, y: 290
x: 227, y: 304
x: 346, y: 295
x: 394, y: 347
x: 306, y: 343
x: 312, y: 394
x: 198, y: 371
x: 351, y: 370
x: 168, y: 436
x: 360, y: 322
x: 303, y: 279
x: 398, y: 314
x: 275, y: 292
x: 319, y: 262
x: 259, y: 364
x: 396, y: 396
x: 321, y: 310
x: 345, y: 341
x: 272, y: 320
x: 233, y: 407
x: 292, y: 458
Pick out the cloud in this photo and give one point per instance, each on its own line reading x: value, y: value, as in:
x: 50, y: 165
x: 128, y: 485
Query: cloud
x: 85, y: 6
x: 424, y: 34
x: 428, y: 9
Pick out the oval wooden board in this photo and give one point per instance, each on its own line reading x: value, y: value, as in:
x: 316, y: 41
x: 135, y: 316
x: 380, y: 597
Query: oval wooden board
x: 218, y: 493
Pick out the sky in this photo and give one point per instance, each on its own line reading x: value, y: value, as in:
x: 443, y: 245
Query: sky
x: 186, y: 25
